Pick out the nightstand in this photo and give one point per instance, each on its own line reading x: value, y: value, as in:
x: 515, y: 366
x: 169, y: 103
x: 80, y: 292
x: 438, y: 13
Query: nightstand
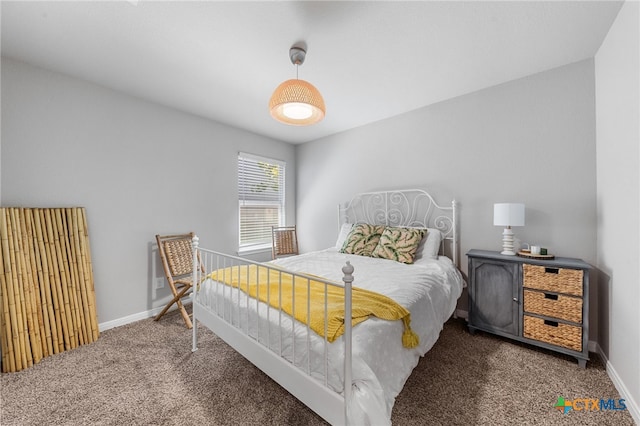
x: 540, y: 302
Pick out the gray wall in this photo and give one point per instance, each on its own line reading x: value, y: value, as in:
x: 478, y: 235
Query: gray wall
x: 137, y: 167
x: 531, y: 140
x: 618, y: 192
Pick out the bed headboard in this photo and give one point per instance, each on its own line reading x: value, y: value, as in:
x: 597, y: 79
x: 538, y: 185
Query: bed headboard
x: 406, y: 207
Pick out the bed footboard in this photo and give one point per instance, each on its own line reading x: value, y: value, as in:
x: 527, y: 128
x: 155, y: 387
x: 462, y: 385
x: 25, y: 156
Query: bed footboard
x: 287, y: 350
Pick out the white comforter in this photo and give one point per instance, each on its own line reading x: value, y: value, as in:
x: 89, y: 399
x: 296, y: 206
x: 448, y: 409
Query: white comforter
x: 381, y: 365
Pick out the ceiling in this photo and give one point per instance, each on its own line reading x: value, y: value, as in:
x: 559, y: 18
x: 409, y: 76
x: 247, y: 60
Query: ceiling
x: 370, y: 60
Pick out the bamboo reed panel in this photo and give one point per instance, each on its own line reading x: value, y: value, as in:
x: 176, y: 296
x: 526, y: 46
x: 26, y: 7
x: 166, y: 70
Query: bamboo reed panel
x: 61, y: 282
x: 43, y: 278
x: 7, y: 343
x: 58, y: 344
x: 17, y: 320
x: 47, y: 295
x: 30, y: 295
x: 88, y: 273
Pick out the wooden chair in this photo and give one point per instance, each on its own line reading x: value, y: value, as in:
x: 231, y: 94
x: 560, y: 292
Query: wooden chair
x: 285, y: 241
x: 176, y: 254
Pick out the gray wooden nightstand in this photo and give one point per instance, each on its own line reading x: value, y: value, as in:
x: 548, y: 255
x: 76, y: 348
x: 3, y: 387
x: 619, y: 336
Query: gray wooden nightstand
x: 541, y: 302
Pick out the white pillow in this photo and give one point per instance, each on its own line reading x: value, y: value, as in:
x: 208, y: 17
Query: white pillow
x: 345, y: 229
x: 429, y: 247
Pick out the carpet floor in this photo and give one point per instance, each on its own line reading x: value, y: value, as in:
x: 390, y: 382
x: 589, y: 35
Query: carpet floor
x: 144, y: 373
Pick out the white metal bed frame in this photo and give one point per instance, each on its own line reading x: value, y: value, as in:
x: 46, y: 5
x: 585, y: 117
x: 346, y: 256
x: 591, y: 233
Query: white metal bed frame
x: 405, y: 208
x: 414, y: 208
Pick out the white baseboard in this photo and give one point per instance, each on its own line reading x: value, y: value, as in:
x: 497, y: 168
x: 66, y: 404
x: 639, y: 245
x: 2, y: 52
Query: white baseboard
x: 632, y: 404
x: 139, y: 316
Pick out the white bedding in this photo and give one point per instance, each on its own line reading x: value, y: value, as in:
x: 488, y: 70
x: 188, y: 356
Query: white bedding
x: 381, y: 365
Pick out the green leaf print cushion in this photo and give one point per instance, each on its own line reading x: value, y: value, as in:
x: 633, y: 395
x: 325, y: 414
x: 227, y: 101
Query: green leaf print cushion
x: 399, y: 244
x: 362, y: 239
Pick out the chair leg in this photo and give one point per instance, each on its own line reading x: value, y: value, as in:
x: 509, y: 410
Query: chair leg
x: 178, y: 302
x: 166, y: 308
x: 185, y: 315
x: 176, y: 297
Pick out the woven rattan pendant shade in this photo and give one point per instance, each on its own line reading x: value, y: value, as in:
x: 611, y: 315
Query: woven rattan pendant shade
x: 301, y: 96
x: 297, y: 102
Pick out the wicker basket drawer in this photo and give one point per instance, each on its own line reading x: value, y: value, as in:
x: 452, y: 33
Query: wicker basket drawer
x: 559, y: 334
x: 559, y: 280
x: 553, y: 305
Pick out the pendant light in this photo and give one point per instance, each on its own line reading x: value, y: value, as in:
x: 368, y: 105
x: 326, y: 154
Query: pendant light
x: 297, y: 102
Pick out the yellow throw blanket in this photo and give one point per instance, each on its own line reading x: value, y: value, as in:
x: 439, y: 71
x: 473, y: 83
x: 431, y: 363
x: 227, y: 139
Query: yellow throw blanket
x: 262, y: 283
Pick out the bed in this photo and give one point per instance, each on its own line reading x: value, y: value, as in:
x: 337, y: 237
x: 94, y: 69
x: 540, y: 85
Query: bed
x: 287, y: 316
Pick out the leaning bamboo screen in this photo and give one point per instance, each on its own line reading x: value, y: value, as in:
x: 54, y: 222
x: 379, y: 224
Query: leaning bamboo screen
x: 47, y: 297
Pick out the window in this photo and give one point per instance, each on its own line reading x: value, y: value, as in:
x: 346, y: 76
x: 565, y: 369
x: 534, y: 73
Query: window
x: 261, y: 199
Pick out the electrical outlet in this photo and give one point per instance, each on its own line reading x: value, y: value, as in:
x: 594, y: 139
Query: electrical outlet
x: 160, y: 283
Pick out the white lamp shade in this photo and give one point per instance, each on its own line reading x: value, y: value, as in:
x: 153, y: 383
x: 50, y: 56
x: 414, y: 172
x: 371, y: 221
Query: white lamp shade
x: 508, y: 214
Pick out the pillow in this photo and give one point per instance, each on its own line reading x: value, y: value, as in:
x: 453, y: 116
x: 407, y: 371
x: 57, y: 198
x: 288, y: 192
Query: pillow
x: 429, y: 247
x: 345, y: 229
x: 399, y: 244
x: 362, y: 239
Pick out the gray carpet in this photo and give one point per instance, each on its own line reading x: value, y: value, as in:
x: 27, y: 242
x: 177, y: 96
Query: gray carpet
x: 145, y: 374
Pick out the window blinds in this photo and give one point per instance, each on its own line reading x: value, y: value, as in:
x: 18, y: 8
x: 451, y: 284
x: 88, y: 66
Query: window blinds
x: 261, y: 183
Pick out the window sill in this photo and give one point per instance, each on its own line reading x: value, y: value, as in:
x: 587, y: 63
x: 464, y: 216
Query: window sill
x: 254, y: 250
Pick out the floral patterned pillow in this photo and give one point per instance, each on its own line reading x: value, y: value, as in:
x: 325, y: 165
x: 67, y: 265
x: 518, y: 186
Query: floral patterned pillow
x: 362, y: 239
x: 399, y: 244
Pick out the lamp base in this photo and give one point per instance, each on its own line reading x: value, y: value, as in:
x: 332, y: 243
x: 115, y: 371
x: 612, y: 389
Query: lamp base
x: 507, y: 242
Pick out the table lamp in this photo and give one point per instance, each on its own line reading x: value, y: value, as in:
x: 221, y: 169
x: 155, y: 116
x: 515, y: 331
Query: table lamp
x: 508, y: 215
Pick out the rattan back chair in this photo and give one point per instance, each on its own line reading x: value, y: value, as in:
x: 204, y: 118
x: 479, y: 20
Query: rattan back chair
x: 285, y: 241
x: 176, y: 254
